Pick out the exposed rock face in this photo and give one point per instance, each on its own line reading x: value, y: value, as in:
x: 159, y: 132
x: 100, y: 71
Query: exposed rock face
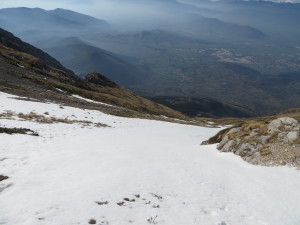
x: 285, y: 123
x: 275, y: 142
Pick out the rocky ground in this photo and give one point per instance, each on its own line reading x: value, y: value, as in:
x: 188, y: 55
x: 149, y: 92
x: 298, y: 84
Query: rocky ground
x: 266, y: 142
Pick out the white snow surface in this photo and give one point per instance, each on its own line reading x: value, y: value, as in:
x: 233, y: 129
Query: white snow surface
x: 57, y: 177
x: 89, y: 100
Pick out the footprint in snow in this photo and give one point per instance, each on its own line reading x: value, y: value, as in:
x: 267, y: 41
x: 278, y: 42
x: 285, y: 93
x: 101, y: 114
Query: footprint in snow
x: 102, y: 203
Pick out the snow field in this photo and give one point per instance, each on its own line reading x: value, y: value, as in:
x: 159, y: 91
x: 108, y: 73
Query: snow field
x: 71, y: 173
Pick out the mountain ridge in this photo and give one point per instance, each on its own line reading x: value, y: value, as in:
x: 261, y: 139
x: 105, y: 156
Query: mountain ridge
x: 9, y: 40
x: 26, y: 75
x: 83, y: 58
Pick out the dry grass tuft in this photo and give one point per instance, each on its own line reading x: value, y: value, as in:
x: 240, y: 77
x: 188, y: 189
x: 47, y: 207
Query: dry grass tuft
x: 217, y: 138
x: 43, y: 119
x: 18, y: 131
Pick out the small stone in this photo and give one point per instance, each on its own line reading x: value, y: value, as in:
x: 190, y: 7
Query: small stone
x: 102, y: 203
x: 292, y: 136
x: 92, y: 221
x: 120, y: 203
x: 2, y: 177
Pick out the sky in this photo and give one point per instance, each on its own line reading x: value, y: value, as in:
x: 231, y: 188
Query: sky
x: 83, y: 6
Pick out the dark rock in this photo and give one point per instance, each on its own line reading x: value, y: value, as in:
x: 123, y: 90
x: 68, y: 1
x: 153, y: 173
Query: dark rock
x: 99, y: 79
x: 92, y: 221
x: 2, y: 177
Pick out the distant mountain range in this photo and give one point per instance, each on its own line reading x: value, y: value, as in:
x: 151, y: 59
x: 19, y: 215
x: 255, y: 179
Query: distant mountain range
x: 279, y: 20
x: 216, y: 29
x: 235, y: 53
x: 42, y: 20
x: 83, y: 58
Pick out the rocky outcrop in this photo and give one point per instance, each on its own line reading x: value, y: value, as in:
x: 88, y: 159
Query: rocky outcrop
x: 99, y: 79
x: 265, y: 142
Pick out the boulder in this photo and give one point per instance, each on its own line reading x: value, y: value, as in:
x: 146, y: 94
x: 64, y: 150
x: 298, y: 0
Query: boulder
x: 284, y: 123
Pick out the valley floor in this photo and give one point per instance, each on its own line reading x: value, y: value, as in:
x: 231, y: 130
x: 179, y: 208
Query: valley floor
x: 131, y: 172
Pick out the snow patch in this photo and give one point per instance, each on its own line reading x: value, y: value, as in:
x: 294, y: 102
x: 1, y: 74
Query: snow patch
x: 89, y: 100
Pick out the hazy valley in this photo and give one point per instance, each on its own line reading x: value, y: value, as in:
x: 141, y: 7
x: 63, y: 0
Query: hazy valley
x: 183, y: 55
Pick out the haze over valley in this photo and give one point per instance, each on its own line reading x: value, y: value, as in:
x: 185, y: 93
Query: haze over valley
x: 234, y: 52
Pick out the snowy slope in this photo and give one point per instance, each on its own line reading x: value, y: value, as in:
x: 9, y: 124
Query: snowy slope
x: 59, y: 176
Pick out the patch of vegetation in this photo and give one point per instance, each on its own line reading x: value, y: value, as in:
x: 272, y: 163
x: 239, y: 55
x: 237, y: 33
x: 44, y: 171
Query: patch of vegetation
x: 11, y: 85
x: 217, y: 138
x: 7, y: 114
x: 245, y: 128
x: 265, y: 152
x: 24, y: 60
x: 18, y: 131
x: 43, y: 119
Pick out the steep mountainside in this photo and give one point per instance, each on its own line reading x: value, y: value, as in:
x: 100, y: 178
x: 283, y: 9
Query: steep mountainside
x: 83, y: 58
x: 9, y: 40
x: 27, y: 71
